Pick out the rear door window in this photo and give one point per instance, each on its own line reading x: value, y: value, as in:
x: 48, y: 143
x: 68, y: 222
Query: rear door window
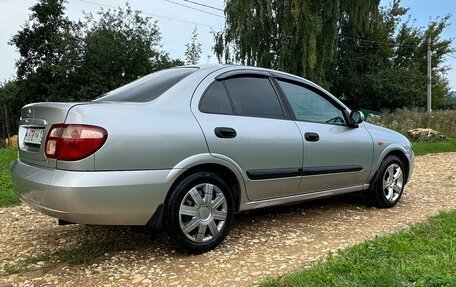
x: 215, y: 100
x: 149, y: 87
x: 254, y: 97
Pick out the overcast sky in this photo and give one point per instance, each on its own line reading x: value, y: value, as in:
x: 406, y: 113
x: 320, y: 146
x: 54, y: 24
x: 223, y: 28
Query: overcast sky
x: 176, y: 32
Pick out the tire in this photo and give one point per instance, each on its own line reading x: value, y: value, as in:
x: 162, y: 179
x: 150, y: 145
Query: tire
x: 388, y: 184
x: 199, y: 213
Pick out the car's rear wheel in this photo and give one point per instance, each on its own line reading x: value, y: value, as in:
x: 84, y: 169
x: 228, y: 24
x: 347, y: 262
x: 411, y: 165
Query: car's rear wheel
x: 199, y: 213
x: 388, y: 185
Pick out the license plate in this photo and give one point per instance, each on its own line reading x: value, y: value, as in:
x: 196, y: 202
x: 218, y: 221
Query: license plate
x: 33, y: 136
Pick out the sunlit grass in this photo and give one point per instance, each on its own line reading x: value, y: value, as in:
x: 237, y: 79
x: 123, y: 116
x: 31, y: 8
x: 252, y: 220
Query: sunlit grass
x: 423, y: 255
x: 7, y: 195
x: 421, y: 148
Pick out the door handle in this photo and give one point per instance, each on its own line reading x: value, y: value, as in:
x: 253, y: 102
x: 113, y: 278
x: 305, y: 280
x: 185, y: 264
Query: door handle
x: 225, y: 133
x: 312, y: 137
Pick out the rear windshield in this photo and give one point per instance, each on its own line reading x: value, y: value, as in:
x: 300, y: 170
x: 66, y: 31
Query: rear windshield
x: 149, y: 87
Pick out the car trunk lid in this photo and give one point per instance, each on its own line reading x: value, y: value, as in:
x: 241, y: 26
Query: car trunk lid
x: 36, y: 120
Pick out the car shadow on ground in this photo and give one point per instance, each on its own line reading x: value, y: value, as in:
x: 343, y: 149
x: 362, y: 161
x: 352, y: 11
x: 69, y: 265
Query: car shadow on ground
x: 345, y: 200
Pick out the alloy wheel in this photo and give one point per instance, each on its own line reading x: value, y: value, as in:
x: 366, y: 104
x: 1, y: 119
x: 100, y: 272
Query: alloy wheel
x: 393, y: 182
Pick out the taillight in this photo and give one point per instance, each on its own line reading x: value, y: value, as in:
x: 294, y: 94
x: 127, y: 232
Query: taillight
x: 74, y: 142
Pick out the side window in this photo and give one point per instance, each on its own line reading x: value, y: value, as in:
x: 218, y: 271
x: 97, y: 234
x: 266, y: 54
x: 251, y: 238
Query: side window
x: 254, y: 97
x: 309, y: 106
x: 215, y: 100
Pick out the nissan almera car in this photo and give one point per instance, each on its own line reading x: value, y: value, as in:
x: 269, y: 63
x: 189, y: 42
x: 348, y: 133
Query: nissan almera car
x: 186, y: 148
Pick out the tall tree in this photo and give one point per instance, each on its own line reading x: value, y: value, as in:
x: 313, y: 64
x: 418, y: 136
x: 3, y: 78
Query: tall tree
x: 63, y: 60
x: 357, y: 49
x: 193, y: 49
x: 383, y: 65
x: 363, y: 49
x: 48, y: 49
x: 8, y: 97
x: 118, y: 47
x: 297, y: 36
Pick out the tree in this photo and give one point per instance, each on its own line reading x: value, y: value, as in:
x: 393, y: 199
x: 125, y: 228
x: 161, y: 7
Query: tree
x: 364, y: 48
x: 63, y: 60
x: 383, y: 65
x: 133, y: 42
x: 193, y: 49
x: 8, y: 108
x: 47, y: 47
x: 364, y: 54
x: 297, y: 36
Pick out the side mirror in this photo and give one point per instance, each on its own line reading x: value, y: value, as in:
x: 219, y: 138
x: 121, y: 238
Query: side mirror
x: 356, y: 117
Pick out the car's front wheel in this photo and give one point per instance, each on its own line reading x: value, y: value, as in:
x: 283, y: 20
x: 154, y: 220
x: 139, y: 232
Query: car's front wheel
x: 388, y: 185
x: 199, y: 213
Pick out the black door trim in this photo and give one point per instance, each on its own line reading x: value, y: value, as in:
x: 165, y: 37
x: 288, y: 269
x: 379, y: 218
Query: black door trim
x: 271, y: 173
x: 330, y: 169
x: 256, y: 174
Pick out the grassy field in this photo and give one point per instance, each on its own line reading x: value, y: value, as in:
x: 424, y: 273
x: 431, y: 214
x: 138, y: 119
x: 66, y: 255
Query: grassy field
x: 423, y: 255
x: 403, y: 120
x: 7, y: 195
x: 421, y: 148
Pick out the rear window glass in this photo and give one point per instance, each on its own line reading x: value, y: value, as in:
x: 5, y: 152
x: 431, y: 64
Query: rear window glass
x: 149, y: 87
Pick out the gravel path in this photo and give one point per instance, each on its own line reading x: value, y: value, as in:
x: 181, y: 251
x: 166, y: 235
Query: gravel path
x: 263, y: 243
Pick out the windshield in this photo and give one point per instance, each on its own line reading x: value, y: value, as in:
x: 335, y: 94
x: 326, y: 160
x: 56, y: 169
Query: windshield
x: 149, y: 87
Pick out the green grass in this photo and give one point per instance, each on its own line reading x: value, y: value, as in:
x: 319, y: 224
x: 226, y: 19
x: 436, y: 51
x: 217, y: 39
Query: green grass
x: 7, y: 195
x: 422, y: 147
x: 33, y: 260
x: 11, y: 269
x: 23, y: 264
x: 423, y: 255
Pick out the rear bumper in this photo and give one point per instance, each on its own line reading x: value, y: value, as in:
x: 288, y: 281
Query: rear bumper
x: 102, y: 197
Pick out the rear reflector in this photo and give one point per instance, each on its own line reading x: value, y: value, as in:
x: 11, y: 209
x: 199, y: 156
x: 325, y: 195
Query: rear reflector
x: 74, y: 142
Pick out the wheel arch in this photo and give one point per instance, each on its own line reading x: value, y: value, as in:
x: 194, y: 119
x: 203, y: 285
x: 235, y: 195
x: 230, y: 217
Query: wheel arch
x: 401, y: 154
x: 196, y: 163
x: 226, y: 173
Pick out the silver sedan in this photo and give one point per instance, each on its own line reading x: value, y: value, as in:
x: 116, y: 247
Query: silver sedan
x: 186, y: 148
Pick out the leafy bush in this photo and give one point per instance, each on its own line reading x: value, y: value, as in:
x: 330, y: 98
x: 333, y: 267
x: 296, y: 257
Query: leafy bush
x: 403, y: 120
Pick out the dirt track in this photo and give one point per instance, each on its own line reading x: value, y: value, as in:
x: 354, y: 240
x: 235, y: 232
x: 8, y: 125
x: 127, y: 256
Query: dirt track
x: 263, y: 243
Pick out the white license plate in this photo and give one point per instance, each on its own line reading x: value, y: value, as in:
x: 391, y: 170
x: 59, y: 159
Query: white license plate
x: 33, y: 136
